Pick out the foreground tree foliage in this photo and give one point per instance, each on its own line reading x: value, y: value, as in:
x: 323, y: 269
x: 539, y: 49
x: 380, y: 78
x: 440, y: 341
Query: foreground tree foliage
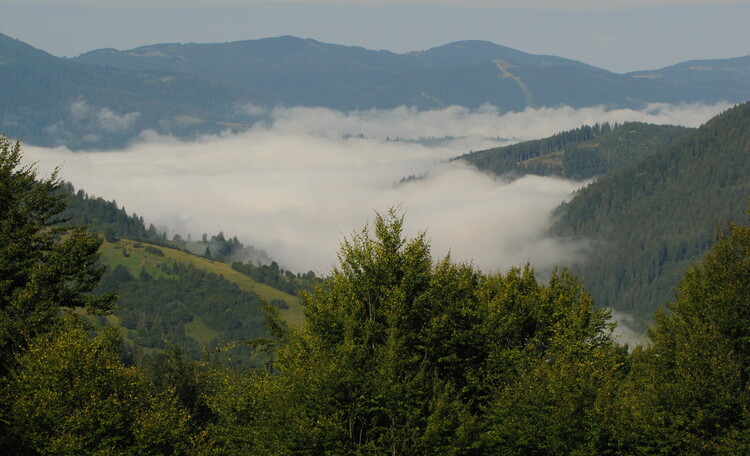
x: 62, y: 390
x: 44, y: 264
x: 72, y: 395
x: 689, y: 392
x: 401, y: 355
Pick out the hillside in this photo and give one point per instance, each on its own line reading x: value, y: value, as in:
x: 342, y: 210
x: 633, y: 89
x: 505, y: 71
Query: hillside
x: 400, y: 353
x: 581, y: 153
x: 50, y: 101
x: 167, y: 296
x: 295, y: 71
x: 146, y: 256
x: 106, y: 98
x: 648, y: 221
x: 284, y: 70
x: 711, y: 80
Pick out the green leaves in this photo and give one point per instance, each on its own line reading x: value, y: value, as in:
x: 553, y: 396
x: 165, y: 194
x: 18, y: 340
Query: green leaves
x: 401, y: 355
x: 71, y: 395
x: 687, y: 392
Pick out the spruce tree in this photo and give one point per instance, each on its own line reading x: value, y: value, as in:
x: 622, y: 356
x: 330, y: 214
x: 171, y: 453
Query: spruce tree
x: 45, y: 265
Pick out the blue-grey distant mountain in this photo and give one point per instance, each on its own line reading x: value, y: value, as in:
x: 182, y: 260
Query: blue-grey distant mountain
x: 709, y: 80
x: 52, y: 101
x: 106, y: 97
x: 295, y: 71
x: 286, y: 70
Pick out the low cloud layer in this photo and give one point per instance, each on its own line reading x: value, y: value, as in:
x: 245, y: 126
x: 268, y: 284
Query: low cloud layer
x: 461, y: 122
x: 103, y: 118
x: 624, y: 332
x: 299, y: 183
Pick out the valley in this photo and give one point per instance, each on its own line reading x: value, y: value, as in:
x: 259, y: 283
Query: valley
x: 506, y: 252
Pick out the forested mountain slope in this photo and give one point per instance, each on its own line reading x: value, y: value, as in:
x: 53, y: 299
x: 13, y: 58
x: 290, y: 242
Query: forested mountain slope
x: 295, y: 71
x: 285, y: 70
x: 581, y: 153
x: 646, y: 223
x: 170, y: 296
x: 712, y: 80
x: 51, y: 101
x: 106, y: 98
x: 402, y: 353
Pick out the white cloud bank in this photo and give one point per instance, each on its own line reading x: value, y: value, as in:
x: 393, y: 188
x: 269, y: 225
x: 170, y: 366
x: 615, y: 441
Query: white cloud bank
x: 104, y: 118
x: 296, y: 185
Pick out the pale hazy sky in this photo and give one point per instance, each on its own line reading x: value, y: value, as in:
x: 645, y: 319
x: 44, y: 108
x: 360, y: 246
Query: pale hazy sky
x: 619, y: 35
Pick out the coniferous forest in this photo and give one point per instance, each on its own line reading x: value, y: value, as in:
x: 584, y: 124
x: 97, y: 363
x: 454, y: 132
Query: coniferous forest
x: 399, y: 352
x: 657, y: 198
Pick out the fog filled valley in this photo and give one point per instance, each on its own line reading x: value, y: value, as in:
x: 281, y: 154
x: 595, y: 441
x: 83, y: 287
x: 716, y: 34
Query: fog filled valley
x: 300, y: 181
x: 282, y: 246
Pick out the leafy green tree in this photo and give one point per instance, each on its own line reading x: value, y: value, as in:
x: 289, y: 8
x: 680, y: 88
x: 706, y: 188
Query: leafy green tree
x: 401, y: 355
x: 689, y: 392
x: 553, y: 364
x: 368, y: 384
x: 44, y: 264
x: 71, y: 395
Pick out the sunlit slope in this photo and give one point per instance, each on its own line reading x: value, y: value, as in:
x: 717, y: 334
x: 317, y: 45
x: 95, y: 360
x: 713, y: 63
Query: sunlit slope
x: 141, y: 255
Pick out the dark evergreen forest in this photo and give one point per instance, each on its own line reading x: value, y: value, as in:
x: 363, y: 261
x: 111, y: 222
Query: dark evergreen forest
x: 582, y: 153
x: 649, y: 221
x: 659, y: 195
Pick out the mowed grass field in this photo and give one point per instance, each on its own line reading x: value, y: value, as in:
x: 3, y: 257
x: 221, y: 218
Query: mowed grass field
x: 136, y: 255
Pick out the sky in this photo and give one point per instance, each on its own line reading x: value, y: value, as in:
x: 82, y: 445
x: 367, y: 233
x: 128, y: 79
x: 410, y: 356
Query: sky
x: 618, y: 35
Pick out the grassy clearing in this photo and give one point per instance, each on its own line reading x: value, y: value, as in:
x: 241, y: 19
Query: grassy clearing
x: 136, y: 255
x: 198, y: 330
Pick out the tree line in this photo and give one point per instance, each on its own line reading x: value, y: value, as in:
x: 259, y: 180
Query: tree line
x: 113, y: 222
x: 581, y: 153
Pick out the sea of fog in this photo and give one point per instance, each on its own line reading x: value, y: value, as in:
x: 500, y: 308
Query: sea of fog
x: 299, y: 182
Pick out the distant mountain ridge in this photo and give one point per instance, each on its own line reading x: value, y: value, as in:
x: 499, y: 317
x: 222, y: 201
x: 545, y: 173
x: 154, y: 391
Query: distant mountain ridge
x: 295, y: 71
x: 298, y: 71
x: 50, y: 101
x: 715, y: 80
x: 194, y: 88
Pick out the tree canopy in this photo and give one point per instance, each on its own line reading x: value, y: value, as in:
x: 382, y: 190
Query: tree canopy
x: 404, y: 355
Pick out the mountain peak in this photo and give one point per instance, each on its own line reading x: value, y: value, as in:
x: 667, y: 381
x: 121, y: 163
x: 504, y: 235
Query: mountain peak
x: 470, y: 51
